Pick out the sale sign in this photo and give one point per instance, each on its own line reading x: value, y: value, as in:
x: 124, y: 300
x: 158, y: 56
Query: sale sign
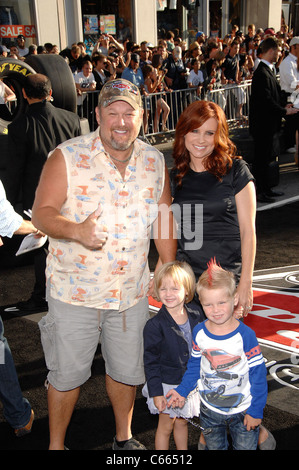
x: 14, y: 30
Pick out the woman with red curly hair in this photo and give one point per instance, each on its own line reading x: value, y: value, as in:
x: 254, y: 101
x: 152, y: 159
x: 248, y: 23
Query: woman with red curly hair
x: 214, y: 199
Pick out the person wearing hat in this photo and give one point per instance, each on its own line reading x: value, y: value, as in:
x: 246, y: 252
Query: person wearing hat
x: 289, y: 82
x: 201, y: 39
x: 133, y: 72
x: 98, y: 198
x: 23, y: 50
x: 199, y: 34
x: 270, y: 32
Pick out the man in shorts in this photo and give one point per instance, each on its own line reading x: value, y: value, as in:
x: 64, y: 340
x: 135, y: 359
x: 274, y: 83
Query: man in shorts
x: 99, y: 197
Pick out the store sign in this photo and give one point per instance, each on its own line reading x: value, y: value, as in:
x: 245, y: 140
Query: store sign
x: 14, y: 30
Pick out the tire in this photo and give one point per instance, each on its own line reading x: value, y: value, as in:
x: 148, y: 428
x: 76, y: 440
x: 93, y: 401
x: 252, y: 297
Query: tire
x: 13, y: 72
x: 58, y: 71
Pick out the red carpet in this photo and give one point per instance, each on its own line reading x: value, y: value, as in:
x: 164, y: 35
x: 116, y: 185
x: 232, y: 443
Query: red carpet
x: 274, y: 318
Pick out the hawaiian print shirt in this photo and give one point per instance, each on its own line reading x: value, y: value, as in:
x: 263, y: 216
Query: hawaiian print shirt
x: 116, y: 276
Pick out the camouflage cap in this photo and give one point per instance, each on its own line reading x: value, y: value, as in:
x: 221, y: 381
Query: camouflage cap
x: 120, y: 90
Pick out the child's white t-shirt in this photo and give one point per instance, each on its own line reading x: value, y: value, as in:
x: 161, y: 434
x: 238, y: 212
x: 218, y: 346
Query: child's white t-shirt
x: 195, y: 78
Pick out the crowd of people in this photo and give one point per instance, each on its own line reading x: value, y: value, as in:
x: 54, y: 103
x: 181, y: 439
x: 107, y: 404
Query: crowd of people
x: 236, y: 55
x: 97, y: 272
x: 207, y: 64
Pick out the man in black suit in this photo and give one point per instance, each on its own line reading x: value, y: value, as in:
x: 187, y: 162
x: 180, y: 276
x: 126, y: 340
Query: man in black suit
x: 267, y: 108
x: 31, y: 137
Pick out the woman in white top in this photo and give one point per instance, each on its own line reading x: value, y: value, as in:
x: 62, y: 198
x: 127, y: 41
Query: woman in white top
x: 195, y: 78
x: 6, y: 95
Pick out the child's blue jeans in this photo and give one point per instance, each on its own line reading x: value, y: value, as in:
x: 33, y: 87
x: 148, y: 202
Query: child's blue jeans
x: 219, y: 424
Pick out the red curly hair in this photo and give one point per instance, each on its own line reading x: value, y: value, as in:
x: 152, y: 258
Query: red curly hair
x: 219, y: 162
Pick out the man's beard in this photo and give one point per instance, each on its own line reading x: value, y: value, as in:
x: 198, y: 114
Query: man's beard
x: 125, y: 144
x: 120, y: 145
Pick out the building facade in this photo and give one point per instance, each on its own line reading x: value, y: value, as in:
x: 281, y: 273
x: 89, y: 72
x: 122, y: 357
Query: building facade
x: 64, y: 22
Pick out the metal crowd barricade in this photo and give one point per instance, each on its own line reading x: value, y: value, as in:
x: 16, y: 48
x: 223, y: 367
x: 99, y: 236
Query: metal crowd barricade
x: 176, y: 100
x: 88, y: 107
x: 233, y: 99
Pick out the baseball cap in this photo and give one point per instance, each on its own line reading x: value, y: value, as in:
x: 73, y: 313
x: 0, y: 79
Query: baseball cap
x: 270, y: 31
x: 294, y: 40
x: 120, y: 90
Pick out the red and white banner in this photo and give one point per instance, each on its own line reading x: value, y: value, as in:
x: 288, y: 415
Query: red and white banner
x: 274, y: 318
x: 14, y: 30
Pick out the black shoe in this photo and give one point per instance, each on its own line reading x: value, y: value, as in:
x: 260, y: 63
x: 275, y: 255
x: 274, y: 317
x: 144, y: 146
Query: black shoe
x: 272, y: 193
x: 28, y: 306
x: 130, y: 444
x: 262, y: 197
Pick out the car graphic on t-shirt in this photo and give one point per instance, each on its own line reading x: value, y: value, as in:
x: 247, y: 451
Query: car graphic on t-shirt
x: 219, y: 359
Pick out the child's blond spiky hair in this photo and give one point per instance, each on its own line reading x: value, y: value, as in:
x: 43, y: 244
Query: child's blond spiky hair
x: 215, y: 277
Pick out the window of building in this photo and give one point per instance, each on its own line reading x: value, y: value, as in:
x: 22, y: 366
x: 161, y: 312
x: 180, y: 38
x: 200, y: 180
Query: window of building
x: 217, y: 8
x: 235, y: 14
x: 107, y: 16
x: 16, y: 18
x: 169, y: 17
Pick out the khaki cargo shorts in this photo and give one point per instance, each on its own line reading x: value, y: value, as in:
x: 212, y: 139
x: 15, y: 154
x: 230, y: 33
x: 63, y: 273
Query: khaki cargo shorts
x: 71, y: 334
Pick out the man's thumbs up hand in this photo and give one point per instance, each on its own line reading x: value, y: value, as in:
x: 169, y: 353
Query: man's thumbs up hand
x: 93, y: 235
